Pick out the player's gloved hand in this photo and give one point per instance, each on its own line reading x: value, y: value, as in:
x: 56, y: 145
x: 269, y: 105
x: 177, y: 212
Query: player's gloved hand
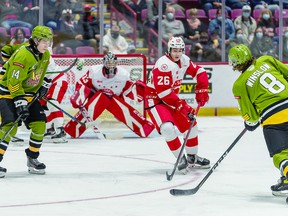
x: 21, y: 106
x: 251, y: 126
x: 75, y: 100
x: 202, y: 96
x: 44, y: 88
x: 184, y: 108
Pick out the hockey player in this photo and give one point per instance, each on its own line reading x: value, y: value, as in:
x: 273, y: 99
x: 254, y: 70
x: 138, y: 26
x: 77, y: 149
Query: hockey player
x: 56, y: 92
x: 22, y: 80
x: 104, y: 87
x: 167, y: 110
x: 261, y: 91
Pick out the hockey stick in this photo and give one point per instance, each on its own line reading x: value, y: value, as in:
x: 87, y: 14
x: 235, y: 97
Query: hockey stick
x: 179, y: 192
x: 65, y: 70
x: 170, y: 176
x: 96, y: 130
x: 87, y: 125
x: 16, y: 121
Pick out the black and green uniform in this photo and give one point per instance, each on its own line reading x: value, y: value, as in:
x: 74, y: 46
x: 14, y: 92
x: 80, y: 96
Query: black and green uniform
x: 22, y: 76
x: 262, y: 93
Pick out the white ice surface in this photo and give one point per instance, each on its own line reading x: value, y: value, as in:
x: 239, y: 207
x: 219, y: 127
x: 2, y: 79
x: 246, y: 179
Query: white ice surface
x: 89, y: 177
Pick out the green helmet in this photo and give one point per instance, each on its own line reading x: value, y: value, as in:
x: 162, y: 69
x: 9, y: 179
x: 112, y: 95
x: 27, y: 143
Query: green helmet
x: 239, y: 55
x: 41, y: 32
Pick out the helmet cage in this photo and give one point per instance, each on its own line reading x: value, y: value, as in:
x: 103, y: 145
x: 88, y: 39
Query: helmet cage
x: 110, y: 62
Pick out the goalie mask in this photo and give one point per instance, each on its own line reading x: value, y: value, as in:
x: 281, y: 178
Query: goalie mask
x: 110, y: 63
x: 240, y: 57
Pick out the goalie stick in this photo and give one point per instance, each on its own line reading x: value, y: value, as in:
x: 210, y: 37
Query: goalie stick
x: 65, y: 70
x: 87, y: 124
x: 179, y: 192
x: 170, y: 176
x: 84, y: 112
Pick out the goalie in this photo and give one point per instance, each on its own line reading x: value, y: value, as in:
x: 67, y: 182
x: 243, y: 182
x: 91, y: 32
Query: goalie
x: 104, y: 87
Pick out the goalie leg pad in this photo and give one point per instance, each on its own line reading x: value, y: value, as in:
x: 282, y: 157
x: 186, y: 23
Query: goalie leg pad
x: 74, y: 129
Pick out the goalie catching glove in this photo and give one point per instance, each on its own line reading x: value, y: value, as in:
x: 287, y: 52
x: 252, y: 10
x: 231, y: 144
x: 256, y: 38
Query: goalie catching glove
x: 185, y: 109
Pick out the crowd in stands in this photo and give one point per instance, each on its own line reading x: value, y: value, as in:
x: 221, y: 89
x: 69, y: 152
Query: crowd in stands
x: 75, y: 24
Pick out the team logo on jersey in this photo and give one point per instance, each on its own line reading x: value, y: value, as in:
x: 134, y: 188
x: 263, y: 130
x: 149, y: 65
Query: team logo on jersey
x: 18, y: 64
x: 164, y: 67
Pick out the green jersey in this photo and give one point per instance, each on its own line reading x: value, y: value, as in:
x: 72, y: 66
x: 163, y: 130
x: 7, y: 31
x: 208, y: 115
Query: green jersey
x: 262, y: 86
x: 23, y: 73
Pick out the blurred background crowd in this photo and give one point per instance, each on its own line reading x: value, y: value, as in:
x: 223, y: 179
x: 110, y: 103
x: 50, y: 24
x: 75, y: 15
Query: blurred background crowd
x: 209, y: 27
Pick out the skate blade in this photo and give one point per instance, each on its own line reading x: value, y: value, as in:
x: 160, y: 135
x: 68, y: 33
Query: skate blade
x: 32, y: 170
x: 2, y: 174
x: 280, y: 193
x: 114, y: 136
x: 196, y: 166
x: 59, y: 140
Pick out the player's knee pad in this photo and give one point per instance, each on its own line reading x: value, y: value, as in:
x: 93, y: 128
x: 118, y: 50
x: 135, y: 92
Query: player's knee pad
x: 38, y: 128
x: 193, y: 133
x: 167, y: 130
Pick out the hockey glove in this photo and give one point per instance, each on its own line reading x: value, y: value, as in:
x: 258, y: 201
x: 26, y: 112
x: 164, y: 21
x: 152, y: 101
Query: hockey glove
x: 44, y: 88
x: 76, y: 100
x: 251, y: 126
x: 185, y: 109
x: 21, y: 106
x: 202, y: 96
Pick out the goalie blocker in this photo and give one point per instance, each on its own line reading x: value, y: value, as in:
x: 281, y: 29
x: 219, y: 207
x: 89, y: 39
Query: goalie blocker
x: 118, y: 107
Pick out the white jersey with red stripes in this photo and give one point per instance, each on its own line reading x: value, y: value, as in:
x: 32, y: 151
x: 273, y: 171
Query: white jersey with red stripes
x: 167, y: 76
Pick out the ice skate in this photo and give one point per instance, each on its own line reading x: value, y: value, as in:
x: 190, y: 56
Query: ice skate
x: 281, y: 188
x: 2, y: 172
x: 183, y: 164
x: 60, y: 136
x: 194, y: 161
x: 35, y: 166
x: 50, y: 132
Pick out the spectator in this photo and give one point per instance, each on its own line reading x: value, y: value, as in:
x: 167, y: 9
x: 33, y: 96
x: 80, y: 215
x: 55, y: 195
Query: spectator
x: 213, y: 4
x: 30, y: 11
x: 247, y: 23
x: 194, y: 28
x: 236, y: 4
x: 52, y: 19
x: 285, y: 44
x: 239, y: 39
x: 267, y: 22
x: 115, y: 42
x: 262, y: 44
x: 11, y: 12
x: 205, y: 50
x: 152, y: 13
x: 170, y: 26
x: 19, y: 37
x: 70, y: 32
x: 265, y: 4
x: 91, y: 28
x: 215, y: 26
x: 137, y: 6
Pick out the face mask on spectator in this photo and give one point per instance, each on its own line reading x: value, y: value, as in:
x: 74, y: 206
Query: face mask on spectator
x: 219, y: 18
x: 259, y: 35
x: 114, y: 35
x: 170, y: 16
x: 286, y: 34
x: 266, y: 16
x: 239, y: 36
x: 246, y: 14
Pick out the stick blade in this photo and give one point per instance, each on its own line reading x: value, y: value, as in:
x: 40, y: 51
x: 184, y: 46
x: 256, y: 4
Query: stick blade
x: 169, y: 176
x: 179, y: 192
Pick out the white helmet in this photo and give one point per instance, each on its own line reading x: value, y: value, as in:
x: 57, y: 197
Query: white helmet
x: 176, y: 42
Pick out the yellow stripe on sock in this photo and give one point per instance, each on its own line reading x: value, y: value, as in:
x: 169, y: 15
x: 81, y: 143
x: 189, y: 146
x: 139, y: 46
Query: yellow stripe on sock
x: 33, y: 149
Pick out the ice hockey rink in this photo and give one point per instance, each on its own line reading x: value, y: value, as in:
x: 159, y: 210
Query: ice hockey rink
x: 126, y: 177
